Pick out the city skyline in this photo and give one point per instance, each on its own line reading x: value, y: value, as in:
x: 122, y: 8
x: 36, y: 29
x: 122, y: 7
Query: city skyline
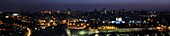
x: 35, y: 5
x: 84, y: 18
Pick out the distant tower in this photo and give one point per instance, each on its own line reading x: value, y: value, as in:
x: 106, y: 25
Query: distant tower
x: 122, y: 10
x: 104, y: 10
x: 69, y: 9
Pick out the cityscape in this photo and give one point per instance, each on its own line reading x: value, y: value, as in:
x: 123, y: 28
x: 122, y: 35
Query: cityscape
x: 84, y: 18
x: 85, y: 23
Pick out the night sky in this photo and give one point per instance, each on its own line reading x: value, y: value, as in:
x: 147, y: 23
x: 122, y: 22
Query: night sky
x: 34, y: 5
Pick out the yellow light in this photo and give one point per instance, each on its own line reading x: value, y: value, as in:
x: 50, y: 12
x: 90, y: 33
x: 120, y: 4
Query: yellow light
x: 41, y: 21
x: 54, y: 23
x: 50, y: 13
x: 158, y: 28
x: 29, y: 32
x: 87, y: 24
x: 49, y: 24
x: 51, y: 20
x: 78, y: 25
x: 81, y: 24
x: 74, y: 21
x: 162, y: 25
x: 70, y: 24
x: 100, y: 28
x: 96, y: 31
x: 169, y: 28
x: 84, y: 26
x: 148, y: 19
x: 6, y: 16
x: 42, y: 24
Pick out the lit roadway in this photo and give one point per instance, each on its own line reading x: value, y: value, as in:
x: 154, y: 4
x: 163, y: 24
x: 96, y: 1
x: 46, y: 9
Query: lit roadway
x: 24, y: 27
x: 93, y: 31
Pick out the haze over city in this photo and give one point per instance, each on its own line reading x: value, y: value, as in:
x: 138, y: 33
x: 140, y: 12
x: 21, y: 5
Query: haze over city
x: 84, y: 18
x: 36, y: 5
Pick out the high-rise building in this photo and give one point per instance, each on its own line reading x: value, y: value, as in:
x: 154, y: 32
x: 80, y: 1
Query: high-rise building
x: 118, y: 18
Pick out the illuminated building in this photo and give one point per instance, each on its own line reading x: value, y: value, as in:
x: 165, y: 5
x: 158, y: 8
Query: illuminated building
x: 76, y: 25
x: 118, y: 20
x: 46, y: 12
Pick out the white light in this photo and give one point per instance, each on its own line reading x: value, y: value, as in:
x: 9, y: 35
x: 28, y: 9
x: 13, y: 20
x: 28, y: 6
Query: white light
x: 96, y: 31
x: 82, y: 32
x: 133, y: 21
x: 113, y: 21
x: 51, y: 20
x: 123, y: 21
x: 157, y: 22
x: 85, y: 20
x: 103, y: 21
x: 80, y: 20
x: 96, y: 34
x: 1, y: 12
x: 144, y: 22
x: 43, y: 27
x: 138, y: 21
x: 35, y: 28
x: 15, y: 14
x: 119, y: 19
x: 53, y: 27
x: 108, y: 34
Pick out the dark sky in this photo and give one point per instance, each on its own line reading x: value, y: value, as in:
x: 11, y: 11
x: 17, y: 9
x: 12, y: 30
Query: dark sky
x: 161, y: 5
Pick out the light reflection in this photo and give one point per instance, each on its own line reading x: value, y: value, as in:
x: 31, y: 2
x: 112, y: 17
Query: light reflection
x: 96, y: 34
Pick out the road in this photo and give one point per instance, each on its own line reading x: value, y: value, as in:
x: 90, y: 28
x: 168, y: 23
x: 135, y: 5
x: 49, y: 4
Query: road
x: 29, y: 31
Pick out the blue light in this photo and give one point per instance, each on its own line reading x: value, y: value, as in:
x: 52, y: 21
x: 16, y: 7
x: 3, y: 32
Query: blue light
x: 117, y: 22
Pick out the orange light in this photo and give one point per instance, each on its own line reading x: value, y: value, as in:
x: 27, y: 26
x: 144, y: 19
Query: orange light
x: 64, y: 21
x: 158, y: 28
x: 81, y: 24
x: 169, y: 28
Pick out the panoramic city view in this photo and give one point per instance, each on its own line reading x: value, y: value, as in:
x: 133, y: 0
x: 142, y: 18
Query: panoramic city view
x: 84, y: 18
